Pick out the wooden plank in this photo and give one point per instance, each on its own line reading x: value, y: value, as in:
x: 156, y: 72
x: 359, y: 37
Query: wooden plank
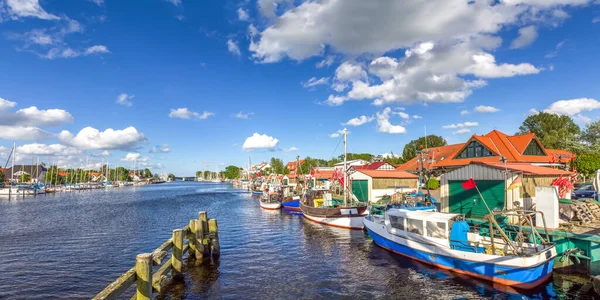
x: 159, y: 278
x: 117, y: 287
x: 166, y: 246
x: 158, y: 257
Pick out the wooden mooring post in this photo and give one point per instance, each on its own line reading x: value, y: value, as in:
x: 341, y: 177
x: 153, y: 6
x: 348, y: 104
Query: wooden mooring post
x: 202, y: 242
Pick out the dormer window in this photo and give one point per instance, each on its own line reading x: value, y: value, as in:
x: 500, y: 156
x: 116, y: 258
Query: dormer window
x: 534, y: 149
x: 475, y: 149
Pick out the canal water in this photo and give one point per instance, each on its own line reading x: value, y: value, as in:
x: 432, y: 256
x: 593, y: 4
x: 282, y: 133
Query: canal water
x: 71, y: 245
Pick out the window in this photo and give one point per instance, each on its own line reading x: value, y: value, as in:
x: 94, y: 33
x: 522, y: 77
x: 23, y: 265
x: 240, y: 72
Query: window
x: 415, y: 226
x: 534, y: 149
x: 475, y: 149
x: 436, y: 230
x: 397, y: 222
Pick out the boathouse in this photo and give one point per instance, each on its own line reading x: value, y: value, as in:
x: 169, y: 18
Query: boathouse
x: 370, y: 185
x: 493, y: 180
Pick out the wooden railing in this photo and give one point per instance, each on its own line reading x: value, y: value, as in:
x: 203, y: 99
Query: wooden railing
x: 202, y: 241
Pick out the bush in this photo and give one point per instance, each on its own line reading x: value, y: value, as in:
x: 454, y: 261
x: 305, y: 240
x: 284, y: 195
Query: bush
x: 433, y: 184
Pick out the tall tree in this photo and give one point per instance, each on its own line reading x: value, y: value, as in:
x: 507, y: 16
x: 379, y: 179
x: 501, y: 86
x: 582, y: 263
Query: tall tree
x: 171, y: 177
x: 277, y: 165
x: 591, y: 135
x: 410, y: 149
x: 587, y: 163
x: 554, y: 131
x: 147, y: 173
x: 232, y: 172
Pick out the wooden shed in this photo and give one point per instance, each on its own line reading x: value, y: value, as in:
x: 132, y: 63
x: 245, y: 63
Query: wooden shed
x: 492, y: 180
x: 370, y: 185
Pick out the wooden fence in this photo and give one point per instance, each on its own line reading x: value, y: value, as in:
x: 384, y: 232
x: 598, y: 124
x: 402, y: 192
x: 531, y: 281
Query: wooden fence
x: 200, y: 239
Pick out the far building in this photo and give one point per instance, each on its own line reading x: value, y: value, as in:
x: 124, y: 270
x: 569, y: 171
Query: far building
x: 35, y: 172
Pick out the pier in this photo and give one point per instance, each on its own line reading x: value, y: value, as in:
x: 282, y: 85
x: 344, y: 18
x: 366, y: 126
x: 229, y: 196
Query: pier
x: 199, y: 240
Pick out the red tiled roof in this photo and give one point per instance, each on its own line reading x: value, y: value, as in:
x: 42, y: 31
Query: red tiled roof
x: 62, y: 173
x: 511, y: 147
x: 435, y: 153
x: 527, y: 169
x: 388, y: 174
x: 323, y: 174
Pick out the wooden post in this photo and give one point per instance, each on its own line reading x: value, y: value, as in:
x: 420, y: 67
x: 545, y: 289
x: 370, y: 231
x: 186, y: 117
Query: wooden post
x: 205, y: 241
x: 143, y: 272
x: 176, y: 257
x: 215, y: 249
x: 198, y: 247
x: 192, y: 239
x: 492, y: 234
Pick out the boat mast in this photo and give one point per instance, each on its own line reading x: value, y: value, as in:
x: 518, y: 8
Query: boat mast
x: 12, y: 172
x: 345, y: 169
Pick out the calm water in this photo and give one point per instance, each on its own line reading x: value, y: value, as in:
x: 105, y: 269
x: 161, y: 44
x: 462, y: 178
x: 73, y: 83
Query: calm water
x: 71, y: 245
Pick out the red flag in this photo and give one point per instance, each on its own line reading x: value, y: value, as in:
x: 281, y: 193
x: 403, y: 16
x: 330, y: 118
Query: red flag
x: 552, y: 159
x: 469, y: 184
x: 258, y: 174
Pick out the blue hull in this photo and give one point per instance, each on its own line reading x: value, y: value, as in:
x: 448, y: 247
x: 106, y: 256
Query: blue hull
x: 292, y: 207
x: 525, y: 278
x: 255, y: 193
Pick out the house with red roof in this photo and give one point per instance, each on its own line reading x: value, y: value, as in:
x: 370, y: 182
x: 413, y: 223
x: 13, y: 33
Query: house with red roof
x: 293, y: 166
x: 492, y: 147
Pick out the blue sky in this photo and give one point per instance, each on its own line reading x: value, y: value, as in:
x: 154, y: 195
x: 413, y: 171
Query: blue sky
x: 173, y: 83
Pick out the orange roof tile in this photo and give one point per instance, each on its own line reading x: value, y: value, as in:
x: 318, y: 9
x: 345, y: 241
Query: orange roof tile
x: 437, y: 154
x: 388, y: 174
x: 322, y: 174
x: 510, y: 147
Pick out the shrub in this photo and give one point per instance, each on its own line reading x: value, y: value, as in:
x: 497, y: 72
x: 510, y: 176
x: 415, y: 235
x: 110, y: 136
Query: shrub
x: 433, y: 184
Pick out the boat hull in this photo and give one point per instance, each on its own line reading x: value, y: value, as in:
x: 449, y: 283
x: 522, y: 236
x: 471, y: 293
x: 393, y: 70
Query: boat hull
x: 292, y: 205
x: 270, y: 206
x: 335, y: 216
x: 255, y: 193
x: 355, y: 223
x: 525, y: 274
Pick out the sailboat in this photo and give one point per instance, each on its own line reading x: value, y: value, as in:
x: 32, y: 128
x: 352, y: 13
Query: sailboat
x: 319, y: 207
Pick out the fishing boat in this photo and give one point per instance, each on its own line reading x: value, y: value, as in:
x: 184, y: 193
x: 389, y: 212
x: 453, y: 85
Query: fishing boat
x: 270, y: 201
x: 445, y: 240
x: 318, y: 205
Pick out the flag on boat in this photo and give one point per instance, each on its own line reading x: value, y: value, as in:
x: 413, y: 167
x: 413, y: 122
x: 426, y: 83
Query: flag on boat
x: 469, y: 184
x: 516, y: 183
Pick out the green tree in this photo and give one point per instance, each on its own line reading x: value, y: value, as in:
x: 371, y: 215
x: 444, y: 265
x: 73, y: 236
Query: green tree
x: 207, y: 174
x: 51, y: 175
x: 277, y: 165
x: 285, y: 171
x: 332, y: 162
x: 353, y: 156
x: 171, y: 176
x: 24, y: 177
x: 591, y: 135
x: 554, y: 131
x: 232, y: 172
x: 198, y: 174
x: 266, y: 171
x: 587, y: 163
x: 410, y: 150
x: 147, y: 173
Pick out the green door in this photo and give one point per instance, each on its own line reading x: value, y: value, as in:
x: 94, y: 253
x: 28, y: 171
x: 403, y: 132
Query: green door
x: 469, y: 203
x: 360, y: 189
x: 285, y: 181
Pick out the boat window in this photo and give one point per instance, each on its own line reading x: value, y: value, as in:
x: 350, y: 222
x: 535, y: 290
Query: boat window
x: 436, y: 229
x: 397, y: 222
x: 415, y: 226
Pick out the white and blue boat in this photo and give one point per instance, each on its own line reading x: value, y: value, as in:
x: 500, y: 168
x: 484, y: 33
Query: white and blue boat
x: 445, y: 241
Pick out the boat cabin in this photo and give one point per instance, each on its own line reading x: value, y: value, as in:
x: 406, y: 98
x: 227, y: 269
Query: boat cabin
x: 432, y: 225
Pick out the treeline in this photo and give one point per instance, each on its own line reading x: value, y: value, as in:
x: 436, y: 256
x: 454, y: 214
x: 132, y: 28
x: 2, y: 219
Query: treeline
x: 62, y: 176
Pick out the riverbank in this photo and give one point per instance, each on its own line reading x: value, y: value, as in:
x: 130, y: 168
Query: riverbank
x: 264, y: 254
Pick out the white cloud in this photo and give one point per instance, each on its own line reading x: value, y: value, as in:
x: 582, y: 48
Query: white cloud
x: 402, y: 114
x: 242, y: 115
x: 359, y: 121
x: 349, y: 71
x: 335, y: 100
x: 98, y: 2
x: 290, y: 149
x: 384, y: 125
x: 582, y: 119
x: 527, y: 35
x: 184, y: 113
x: 596, y: 20
x: 233, y: 47
x: 242, y: 14
x: 314, y: 81
x: 135, y: 157
x: 485, y: 109
x: 416, y: 117
x: 554, y: 53
x: 47, y: 150
x: 96, y: 49
x: 252, y: 31
x: 337, y: 134
x: 328, y: 61
x: 268, y: 8
x: 28, y: 8
x: 123, y: 99
x: 5, y: 104
x: 573, y: 106
x: 464, y: 112
x: 174, y: 2
x: 461, y: 125
x: 23, y: 133
x: 91, y: 138
x: 532, y: 111
x: 260, y: 141
x: 164, y: 148
x: 462, y: 131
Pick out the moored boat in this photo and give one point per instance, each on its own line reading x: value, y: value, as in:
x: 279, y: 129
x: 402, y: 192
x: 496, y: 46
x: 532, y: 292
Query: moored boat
x: 270, y: 201
x: 444, y: 240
